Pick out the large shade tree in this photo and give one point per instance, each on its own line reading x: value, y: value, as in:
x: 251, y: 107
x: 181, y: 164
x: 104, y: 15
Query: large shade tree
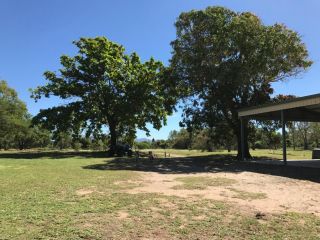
x: 228, y: 60
x: 105, y: 89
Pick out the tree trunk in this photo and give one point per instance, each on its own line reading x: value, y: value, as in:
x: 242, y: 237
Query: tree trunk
x: 293, y: 136
x: 113, y: 139
x: 305, y: 139
x: 237, y: 132
x: 21, y: 144
x: 5, y: 145
x: 229, y: 148
x: 305, y: 143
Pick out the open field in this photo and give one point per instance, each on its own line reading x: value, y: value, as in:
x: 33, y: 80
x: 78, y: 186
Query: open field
x: 274, y: 154
x: 69, y: 195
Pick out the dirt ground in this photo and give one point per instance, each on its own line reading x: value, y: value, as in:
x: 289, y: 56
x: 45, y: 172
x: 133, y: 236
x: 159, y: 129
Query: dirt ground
x: 281, y: 193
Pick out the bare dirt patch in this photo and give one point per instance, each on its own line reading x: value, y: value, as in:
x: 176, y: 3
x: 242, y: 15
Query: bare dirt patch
x: 123, y: 215
x: 252, y: 192
x: 129, y: 183
x: 202, y: 182
x: 86, y: 191
x: 83, y: 192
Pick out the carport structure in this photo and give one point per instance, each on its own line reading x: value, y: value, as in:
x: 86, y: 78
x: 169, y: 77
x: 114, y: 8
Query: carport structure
x: 302, y: 109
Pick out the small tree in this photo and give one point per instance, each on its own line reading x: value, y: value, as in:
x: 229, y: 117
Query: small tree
x: 179, y: 140
x: 315, y: 133
x: 293, y: 134
x: 304, y: 131
x: 63, y: 140
x: 14, y: 119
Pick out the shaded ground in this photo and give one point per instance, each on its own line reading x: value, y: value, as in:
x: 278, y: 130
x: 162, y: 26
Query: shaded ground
x: 310, y: 163
x: 213, y: 164
x: 51, y: 154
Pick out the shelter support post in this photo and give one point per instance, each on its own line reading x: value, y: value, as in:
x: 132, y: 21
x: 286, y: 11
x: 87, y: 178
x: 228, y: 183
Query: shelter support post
x: 284, y: 142
x: 242, y: 138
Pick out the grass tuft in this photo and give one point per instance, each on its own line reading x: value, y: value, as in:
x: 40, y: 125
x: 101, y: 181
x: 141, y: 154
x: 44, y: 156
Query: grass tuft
x: 203, y: 182
x: 248, y: 195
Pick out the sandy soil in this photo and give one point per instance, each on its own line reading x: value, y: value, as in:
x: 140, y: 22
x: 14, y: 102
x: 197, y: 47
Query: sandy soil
x: 87, y: 191
x: 282, y: 194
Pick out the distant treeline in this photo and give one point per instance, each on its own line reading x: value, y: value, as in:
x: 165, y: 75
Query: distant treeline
x: 17, y: 132
x: 300, y: 136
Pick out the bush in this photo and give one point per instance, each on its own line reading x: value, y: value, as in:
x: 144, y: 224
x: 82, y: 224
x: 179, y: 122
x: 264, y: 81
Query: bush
x: 258, y: 145
x: 76, y: 145
x: 142, y: 145
x: 97, y: 145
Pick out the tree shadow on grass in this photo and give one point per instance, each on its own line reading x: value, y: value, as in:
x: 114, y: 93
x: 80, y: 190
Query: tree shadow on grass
x: 210, y: 164
x: 168, y: 165
x: 194, y: 164
x: 52, y: 154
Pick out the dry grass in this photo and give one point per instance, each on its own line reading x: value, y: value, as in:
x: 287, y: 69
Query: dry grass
x: 202, y: 182
x: 248, y: 195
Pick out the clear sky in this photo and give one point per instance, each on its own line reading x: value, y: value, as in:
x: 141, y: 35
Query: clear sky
x: 35, y: 33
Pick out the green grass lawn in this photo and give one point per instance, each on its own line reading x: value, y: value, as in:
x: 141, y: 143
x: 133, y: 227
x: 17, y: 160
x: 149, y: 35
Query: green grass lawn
x: 52, y: 196
x: 277, y: 154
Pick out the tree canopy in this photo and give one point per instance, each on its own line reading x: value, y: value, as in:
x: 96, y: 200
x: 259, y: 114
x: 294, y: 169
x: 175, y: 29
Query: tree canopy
x: 15, y: 131
x: 228, y: 60
x: 105, y: 88
x: 13, y: 113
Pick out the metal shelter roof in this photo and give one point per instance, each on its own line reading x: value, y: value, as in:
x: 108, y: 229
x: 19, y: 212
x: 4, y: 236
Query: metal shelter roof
x: 305, y: 109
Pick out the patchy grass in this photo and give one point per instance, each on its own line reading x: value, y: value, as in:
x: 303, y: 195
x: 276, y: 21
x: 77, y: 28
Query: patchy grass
x: 203, y: 182
x: 247, y: 195
x: 51, y: 196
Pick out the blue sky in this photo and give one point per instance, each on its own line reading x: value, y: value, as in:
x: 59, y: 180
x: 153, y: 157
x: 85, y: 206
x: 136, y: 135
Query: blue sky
x: 35, y: 33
